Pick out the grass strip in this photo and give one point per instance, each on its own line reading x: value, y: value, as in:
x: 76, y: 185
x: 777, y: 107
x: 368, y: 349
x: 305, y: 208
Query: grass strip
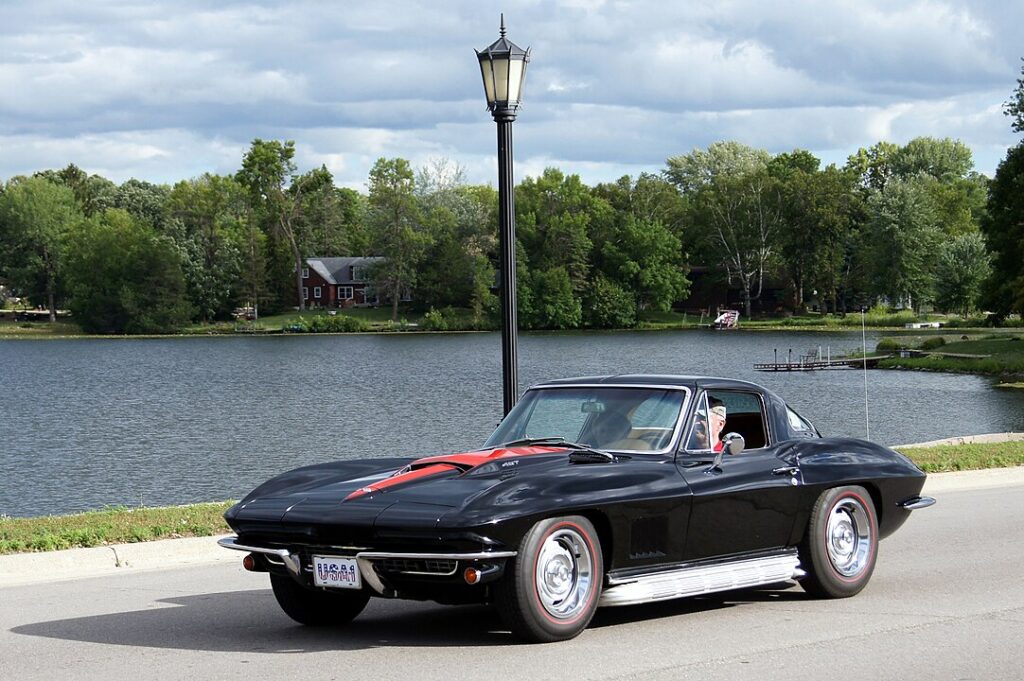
x: 967, y: 457
x: 1005, y: 357
x: 128, y: 525
x: 119, y: 525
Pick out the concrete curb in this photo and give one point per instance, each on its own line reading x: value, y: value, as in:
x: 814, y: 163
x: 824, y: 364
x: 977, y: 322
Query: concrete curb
x: 967, y: 440
x: 51, y: 566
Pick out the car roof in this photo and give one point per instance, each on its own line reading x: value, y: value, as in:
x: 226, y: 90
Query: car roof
x: 691, y: 382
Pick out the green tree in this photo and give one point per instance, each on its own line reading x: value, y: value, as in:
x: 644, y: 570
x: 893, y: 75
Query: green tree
x: 902, y: 239
x: 395, y: 226
x: 554, y: 305
x: 1004, y: 233
x: 206, y: 219
x: 646, y: 260
x: 556, y: 215
x: 962, y: 269
x: 143, y: 200
x: 35, y: 217
x: 817, y: 209
x: 93, y: 193
x: 609, y: 305
x: 649, y: 198
x: 873, y: 166
x: 277, y: 196
x: 123, y: 277
x: 700, y: 168
x: 943, y: 159
x: 741, y: 217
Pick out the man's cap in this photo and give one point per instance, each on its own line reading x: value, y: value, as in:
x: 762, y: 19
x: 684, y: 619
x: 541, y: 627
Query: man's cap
x: 718, y: 409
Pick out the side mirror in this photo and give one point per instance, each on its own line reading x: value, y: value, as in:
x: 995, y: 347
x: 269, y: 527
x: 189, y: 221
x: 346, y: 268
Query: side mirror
x: 733, y: 443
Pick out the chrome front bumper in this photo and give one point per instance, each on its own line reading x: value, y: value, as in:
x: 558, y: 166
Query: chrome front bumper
x: 293, y: 561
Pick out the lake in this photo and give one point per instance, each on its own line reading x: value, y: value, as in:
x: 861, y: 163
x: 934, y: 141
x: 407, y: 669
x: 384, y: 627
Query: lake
x: 86, y: 423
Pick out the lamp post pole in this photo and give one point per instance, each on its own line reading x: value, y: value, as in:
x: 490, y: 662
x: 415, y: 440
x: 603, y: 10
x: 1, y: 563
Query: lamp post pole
x: 507, y: 243
x: 503, y: 67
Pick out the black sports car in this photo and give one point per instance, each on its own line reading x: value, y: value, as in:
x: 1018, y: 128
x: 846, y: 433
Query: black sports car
x: 591, y: 492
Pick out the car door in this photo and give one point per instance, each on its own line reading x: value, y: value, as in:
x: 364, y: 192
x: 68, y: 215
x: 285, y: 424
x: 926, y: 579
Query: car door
x: 746, y: 503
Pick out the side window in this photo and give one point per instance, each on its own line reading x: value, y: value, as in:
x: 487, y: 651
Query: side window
x: 744, y: 414
x: 800, y: 427
x: 698, y: 438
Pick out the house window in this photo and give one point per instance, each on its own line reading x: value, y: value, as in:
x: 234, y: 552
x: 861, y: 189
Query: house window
x: 344, y: 293
x: 357, y: 273
x: 305, y: 293
x: 316, y: 292
x: 305, y: 273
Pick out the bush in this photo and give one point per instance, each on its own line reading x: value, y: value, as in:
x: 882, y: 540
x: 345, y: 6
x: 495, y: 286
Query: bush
x: 890, y: 344
x: 434, y: 320
x: 328, y: 324
x: 933, y: 343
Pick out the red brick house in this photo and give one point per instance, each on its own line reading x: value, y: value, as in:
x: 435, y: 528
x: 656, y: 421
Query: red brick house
x: 339, y: 282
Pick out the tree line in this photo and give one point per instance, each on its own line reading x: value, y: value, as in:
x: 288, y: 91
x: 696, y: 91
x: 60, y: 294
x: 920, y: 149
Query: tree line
x: 911, y: 225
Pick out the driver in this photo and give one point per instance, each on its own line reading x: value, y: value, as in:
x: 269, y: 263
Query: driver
x: 717, y: 423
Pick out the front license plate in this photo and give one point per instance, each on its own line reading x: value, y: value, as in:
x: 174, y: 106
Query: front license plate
x: 335, y: 572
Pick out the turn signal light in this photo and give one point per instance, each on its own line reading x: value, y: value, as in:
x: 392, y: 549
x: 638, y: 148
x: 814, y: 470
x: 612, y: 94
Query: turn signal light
x: 249, y: 563
x: 471, y: 575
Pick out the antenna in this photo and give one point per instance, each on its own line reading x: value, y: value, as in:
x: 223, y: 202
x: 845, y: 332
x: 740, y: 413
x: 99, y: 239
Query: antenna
x: 864, y: 350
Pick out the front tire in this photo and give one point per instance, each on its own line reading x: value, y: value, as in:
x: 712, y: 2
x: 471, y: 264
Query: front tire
x: 551, y: 591
x: 317, y: 607
x: 841, y: 544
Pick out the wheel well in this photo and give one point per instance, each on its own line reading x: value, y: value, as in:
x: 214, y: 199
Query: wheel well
x: 604, y: 533
x: 876, y: 499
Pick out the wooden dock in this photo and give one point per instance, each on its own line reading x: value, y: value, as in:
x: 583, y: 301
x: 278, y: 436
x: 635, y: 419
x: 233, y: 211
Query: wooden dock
x: 819, y: 364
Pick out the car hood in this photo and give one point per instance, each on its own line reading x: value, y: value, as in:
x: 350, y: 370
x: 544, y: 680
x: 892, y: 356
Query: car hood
x: 394, y: 492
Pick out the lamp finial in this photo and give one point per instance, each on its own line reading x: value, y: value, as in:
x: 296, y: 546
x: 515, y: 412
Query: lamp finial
x: 502, y: 24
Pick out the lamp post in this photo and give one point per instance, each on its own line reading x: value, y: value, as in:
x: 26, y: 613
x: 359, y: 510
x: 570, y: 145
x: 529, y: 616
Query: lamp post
x: 503, y: 67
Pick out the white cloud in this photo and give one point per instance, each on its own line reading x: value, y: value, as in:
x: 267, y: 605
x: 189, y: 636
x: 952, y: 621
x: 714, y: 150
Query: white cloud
x: 164, y: 92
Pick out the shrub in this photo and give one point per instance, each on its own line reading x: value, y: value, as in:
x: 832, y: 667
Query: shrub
x: 933, y: 343
x: 890, y: 344
x: 434, y: 320
x: 328, y: 324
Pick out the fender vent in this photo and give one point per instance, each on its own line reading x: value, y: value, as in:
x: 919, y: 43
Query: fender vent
x: 647, y: 538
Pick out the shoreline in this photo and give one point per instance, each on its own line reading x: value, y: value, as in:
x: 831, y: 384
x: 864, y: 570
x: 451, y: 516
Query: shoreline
x: 767, y: 327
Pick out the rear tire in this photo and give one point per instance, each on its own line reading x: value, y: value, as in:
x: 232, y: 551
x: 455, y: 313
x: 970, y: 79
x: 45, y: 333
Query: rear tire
x: 317, y: 607
x: 550, y: 592
x: 841, y: 544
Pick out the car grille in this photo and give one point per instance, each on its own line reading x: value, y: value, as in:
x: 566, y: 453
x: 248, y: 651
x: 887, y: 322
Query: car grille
x: 421, y: 566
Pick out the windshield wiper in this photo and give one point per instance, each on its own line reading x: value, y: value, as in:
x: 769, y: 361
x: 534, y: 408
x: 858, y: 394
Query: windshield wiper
x: 581, y: 453
x: 556, y: 440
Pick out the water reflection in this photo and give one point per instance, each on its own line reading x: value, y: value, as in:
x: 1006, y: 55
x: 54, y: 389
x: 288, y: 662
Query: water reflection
x: 84, y: 423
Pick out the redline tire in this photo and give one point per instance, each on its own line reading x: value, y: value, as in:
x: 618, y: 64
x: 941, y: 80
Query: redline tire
x: 840, y: 548
x: 551, y: 591
x: 317, y: 607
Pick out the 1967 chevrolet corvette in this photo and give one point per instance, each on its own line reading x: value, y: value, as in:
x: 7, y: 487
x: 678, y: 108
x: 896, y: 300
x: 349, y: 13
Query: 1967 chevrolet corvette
x: 598, y: 491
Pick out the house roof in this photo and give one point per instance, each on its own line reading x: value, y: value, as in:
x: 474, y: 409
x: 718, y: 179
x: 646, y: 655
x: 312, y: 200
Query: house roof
x: 339, y: 270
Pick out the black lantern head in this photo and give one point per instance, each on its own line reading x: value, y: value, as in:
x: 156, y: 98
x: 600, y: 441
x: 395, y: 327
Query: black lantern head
x: 503, y: 66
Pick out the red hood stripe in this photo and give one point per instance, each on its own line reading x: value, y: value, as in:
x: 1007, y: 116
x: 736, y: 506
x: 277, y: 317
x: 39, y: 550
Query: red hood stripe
x: 435, y: 465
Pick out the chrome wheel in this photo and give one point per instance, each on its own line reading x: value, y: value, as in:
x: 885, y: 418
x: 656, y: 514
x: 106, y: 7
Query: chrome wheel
x: 564, y: 573
x: 848, y: 538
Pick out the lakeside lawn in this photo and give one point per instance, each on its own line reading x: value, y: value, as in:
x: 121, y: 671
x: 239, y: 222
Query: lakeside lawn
x: 1005, y: 356
x: 128, y: 525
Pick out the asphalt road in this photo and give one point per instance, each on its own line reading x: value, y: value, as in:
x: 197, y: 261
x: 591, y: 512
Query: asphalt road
x: 946, y: 602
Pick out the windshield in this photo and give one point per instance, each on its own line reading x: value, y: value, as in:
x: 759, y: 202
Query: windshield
x: 603, y: 417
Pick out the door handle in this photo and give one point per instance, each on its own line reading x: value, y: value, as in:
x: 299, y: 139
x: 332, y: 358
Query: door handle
x: 786, y: 470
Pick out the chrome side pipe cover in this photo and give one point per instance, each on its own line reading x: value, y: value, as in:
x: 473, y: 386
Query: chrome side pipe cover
x: 915, y: 503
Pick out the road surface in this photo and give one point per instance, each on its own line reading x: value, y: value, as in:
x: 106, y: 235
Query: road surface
x: 946, y: 602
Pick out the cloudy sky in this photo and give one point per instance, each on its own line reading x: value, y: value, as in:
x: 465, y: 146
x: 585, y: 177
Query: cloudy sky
x: 164, y: 91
